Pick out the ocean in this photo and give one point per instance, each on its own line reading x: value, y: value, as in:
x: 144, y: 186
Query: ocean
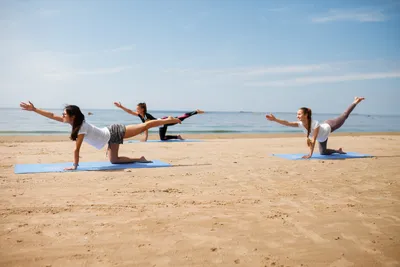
x: 20, y: 122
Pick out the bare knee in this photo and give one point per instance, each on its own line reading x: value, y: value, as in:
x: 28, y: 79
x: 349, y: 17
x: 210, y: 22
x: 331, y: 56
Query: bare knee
x: 113, y: 153
x: 113, y: 159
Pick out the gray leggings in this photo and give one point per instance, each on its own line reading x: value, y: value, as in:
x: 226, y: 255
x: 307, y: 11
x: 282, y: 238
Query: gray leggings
x: 335, y: 124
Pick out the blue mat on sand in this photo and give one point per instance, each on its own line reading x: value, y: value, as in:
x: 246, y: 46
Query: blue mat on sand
x: 84, y: 166
x: 349, y: 155
x: 166, y: 141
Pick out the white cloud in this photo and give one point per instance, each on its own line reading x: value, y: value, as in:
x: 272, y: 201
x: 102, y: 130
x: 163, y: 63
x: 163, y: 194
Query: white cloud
x: 277, y: 9
x: 120, y: 49
x: 65, y: 56
x: 291, y: 75
x: 256, y: 71
x: 47, y: 66
x: 57, y: 75
x: 46, y: 12
x: 360, y: 15
x: 326, y: 79
x: 261, y: 70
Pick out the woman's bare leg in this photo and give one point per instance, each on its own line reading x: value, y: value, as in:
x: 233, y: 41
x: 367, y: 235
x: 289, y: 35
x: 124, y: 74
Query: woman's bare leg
x: 133, y: 130
x: 115, y: 159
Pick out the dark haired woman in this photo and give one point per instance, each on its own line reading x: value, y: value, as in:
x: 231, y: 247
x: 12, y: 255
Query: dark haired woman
x: 141, y: 112
x: 112, y: 135
x: 315, y: 130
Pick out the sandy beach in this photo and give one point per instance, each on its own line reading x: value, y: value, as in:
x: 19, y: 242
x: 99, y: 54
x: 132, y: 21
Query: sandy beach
x: 225, y: 202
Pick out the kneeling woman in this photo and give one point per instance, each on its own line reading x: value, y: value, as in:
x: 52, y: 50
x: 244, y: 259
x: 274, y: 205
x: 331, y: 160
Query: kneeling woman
x: 318, y: 132
x: 141, y: 112
x: 112, y: 135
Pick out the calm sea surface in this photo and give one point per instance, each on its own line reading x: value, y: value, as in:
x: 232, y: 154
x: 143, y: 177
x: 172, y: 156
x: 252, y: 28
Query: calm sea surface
x: 19, y: 122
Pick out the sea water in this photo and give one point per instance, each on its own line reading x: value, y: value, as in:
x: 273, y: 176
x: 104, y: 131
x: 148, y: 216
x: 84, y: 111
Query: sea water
x: 20, y: 122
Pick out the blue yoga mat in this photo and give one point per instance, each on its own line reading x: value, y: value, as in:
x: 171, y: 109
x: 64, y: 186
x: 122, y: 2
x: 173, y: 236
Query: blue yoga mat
x: 166, y: 141
x: 349, y: 155
x: 84, y: 166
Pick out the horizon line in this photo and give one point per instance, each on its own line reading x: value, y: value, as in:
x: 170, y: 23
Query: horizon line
x: 229, y: 111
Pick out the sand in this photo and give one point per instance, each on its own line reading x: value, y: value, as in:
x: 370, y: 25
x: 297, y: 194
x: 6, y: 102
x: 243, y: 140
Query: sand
x: 225, y: 202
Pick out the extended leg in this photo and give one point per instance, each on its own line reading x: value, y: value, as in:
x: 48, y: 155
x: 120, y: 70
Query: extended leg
x: 187, y: 115
x: 163, y: 130
x: 133, y: 130
x: 339, y: 121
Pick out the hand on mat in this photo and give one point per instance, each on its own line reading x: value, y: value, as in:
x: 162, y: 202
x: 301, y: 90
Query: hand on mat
x: 270, y: 117
x: 117, y: 104
x: 306, y: 156
x: 25, y: 106
x: 70, y: 168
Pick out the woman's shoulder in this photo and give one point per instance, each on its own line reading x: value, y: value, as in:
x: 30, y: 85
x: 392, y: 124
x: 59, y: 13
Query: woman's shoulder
x: 84, y: 127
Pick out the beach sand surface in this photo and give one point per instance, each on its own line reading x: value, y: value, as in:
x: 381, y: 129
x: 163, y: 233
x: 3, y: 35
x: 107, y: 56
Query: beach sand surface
x: 224, y: 202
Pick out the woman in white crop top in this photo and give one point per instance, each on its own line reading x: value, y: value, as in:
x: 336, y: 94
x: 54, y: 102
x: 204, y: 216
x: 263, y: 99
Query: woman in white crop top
x: 315, y: 130
x: 112, y: 135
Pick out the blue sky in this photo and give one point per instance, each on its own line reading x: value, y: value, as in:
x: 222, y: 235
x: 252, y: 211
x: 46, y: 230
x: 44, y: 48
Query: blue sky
x: 224, y: 55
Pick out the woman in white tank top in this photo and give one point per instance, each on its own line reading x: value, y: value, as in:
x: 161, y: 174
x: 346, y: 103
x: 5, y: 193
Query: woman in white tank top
x: 112, y: 135
x: 318, y: 132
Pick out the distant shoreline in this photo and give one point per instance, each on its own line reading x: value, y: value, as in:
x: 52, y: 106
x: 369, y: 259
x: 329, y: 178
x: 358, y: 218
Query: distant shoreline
x: 209, y: 111
x: 203, y: 133
x: 65, y: 137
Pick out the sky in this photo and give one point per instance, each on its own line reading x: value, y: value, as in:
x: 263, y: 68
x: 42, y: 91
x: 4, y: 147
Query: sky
x: 226, y: 55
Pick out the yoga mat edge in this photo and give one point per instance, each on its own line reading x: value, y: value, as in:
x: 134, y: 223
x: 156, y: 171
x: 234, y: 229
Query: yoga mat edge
x: 160, y: 141
x: 84, y: 166
x: 349, y: 155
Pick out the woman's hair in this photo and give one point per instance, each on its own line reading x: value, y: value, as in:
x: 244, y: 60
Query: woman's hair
x: 143, y: 106
x: 307, y: 112
x: 74, y: 111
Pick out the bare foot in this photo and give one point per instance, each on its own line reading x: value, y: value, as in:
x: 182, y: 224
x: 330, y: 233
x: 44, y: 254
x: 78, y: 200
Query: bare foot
x: 340, y: 151
x: 199, y: 111
x: 142, y: 159
x: 180, y: 137
x: 358, y: 99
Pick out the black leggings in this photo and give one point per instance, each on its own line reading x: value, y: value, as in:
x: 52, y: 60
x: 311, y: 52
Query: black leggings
x: 163, y: 130
x: 335, y: 124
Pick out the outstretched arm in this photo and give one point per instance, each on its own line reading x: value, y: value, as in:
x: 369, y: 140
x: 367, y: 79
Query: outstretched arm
x: 30, y: 107
x: 146, y: 136
x: 119, y: 105
x: 283, y: 122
